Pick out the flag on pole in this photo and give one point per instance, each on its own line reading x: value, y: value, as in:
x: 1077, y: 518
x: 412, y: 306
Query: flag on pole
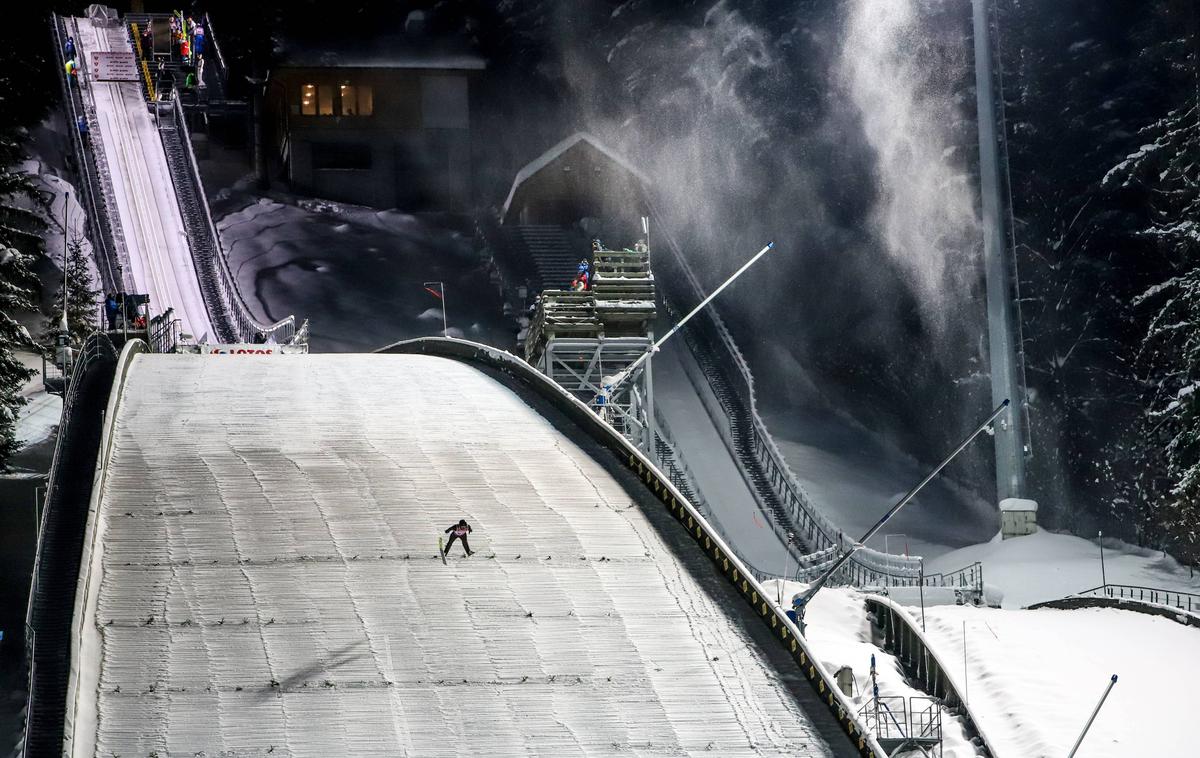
x: 434, y: 292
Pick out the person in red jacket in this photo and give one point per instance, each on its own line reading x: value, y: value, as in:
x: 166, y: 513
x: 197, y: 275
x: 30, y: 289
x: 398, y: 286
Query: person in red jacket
x: 458, y: 531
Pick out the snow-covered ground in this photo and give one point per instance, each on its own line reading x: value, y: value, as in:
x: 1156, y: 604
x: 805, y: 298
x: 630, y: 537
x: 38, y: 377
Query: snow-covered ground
x: 854, y: 477
x: 356, y: 273
x: 1048, y: 566
x: 41, y: 413
x: 159, y: 258
x: 1032, y: 677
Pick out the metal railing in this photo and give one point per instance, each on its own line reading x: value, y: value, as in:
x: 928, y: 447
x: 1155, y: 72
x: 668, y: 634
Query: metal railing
x: 97, y: 347
x: 89, y: 193
x: 868, y: 566
x: 223, y: 298
x: 1184, y: 601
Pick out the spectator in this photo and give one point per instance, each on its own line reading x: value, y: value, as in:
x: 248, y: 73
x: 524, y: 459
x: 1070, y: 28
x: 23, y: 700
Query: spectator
x: 111, y: 309
x: 82, y: 124
x: 69, y: 48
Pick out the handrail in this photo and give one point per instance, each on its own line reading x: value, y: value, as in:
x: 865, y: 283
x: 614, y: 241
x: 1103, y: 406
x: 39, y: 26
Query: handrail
x: 95, y: 348
x: 905, y: 640
x: 701, y: 530
x: 210, y: 37
x: 867, y: 565
x: 232, y: 318
x: 95, y: 218
x: 1188, y: 601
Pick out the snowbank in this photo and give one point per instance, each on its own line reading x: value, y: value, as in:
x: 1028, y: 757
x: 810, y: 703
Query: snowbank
x: 1046, y: 566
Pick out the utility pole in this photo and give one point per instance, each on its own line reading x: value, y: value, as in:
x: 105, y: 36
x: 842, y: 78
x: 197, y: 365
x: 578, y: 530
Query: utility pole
x: 999, y: 268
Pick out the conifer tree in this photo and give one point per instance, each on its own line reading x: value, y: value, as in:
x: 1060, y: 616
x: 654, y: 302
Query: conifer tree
x: 81, y: 301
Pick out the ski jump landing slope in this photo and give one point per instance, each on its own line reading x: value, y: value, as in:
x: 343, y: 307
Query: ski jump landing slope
x: 261, y: 576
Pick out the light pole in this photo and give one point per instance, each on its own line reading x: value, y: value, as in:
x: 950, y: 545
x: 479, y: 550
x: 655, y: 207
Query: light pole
x: 999, y: 268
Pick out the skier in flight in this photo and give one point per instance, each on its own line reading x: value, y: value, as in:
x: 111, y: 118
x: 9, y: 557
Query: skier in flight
x: 459, y: 531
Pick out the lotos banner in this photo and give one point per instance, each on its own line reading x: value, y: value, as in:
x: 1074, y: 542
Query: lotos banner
x: 241, y: 348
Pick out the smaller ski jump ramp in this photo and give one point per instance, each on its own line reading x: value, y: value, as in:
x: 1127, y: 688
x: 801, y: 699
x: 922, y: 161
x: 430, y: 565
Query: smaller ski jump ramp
x: 261, y: 577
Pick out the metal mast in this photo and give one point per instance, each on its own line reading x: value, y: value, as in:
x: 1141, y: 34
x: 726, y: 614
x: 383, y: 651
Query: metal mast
x: 999, y: 268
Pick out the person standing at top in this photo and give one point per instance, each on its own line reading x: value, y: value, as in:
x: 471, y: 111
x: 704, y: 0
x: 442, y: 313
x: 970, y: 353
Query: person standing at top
x: 111, y: 309
x: 459, y: 531
x: 198, y: 40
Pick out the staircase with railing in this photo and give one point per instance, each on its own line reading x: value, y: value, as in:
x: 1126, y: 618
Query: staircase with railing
x: 751, y: 444
x: 60, y: 545
x: 226, y: 307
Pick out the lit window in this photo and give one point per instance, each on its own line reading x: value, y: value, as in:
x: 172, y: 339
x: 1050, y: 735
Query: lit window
x: 355, y: 99
x: 366, y: 100
x: 325, y: 101
x: 308, y: 100
x: 347, y: 99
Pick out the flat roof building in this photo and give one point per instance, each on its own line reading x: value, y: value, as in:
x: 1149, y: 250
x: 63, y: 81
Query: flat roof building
x: 385, y: 124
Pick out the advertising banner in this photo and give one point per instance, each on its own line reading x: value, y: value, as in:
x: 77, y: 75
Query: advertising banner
x: 241, y: 348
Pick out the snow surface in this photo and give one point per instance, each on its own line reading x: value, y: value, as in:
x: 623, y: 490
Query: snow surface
x: 355, y: 272
x: 160, y: 260
x: 265, y: 578
x: 839, y: 634
x: 853, y: 478
x: 1047, y: 566
x: 729, y: 503
x: 1033, y: 678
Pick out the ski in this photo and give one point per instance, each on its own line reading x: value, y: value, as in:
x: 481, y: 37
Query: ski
x: 441, y: 551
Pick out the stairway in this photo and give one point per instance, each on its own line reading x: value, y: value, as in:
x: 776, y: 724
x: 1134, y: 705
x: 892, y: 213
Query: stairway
x: 554, y: 253
x: 174, y: 69
x: 203, y: 244
x: 60, y: 547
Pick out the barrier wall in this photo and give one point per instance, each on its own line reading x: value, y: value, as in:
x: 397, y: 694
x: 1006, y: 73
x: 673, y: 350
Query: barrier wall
x: 903, y: 638
x: 721, y: 555
x: 85, y: 641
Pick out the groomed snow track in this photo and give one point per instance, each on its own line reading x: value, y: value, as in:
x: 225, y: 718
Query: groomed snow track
x: 260, y: 575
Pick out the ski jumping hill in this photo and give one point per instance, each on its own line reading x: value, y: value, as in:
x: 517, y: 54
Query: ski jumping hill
x: 260, y: 575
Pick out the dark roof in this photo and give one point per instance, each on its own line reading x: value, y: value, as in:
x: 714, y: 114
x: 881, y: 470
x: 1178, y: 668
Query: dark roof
x: 393, y: 51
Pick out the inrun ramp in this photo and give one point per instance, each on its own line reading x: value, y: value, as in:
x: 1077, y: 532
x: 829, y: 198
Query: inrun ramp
x: 157, y: 258
x: 264, y: 579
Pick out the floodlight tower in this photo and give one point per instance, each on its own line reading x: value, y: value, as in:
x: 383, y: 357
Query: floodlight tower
x: 1000, y: 269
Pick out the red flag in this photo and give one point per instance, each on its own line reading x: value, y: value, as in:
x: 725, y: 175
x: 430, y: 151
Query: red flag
x: 434, y: 292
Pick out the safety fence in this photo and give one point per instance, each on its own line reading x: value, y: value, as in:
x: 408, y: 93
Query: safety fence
x: 59, y: 545
x: 1182, y: 607
x: 222, y: 297
x: 755, y: 451
x: 902, y: 638
x: 658, y: 484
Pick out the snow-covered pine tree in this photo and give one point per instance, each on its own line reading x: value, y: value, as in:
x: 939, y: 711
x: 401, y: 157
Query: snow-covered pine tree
x: 17, y: 287
x: 81, y: 301
x: 1170, y: 355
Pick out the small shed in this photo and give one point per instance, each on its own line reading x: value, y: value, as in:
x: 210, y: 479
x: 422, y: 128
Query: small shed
x: 577, y: 178
x: 1018, y: 517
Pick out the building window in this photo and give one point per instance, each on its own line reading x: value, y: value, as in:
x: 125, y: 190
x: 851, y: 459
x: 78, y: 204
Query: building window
x: 325, y: 100
x: 355, y: 99
x: 308, y: 100
x: 341, y: 156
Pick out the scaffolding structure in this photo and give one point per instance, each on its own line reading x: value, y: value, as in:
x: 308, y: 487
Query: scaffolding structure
x: 582, y: 339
